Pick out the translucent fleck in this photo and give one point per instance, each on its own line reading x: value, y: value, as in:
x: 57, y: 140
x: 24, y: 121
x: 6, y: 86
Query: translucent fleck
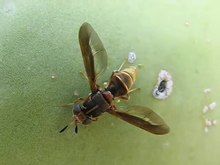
x: 214, y: 122
x: 212, y: 105
x: 105, y: 84
x: 131, y: 57
x: 76, y: 92
x: 205, y: 109
x: 208, y: 122
x: 207, y: 90
x: 206, y: 129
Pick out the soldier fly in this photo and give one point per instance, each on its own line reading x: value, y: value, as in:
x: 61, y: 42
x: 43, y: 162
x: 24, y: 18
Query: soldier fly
x: 100, y: 100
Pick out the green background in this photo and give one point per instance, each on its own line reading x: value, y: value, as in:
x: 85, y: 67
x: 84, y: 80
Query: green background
x: 39, y: 39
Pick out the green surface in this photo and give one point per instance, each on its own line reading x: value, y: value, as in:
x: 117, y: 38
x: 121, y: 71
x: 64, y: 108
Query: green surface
x: 39, y: 39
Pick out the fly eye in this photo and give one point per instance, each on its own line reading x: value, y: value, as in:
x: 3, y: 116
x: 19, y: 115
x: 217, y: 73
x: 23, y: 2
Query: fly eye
x: 76, y: 109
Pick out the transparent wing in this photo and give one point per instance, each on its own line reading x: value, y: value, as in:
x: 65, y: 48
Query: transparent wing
x: 144, y: 118
x: 93, y: 53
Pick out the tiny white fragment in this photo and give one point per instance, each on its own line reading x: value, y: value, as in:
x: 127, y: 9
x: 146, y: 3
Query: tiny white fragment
x: 207, y: 90
x: 208, y: 122
x: 9, y: 7
x: 212, y: 105
x: 214, y: 122
x: 139, y: 65
x: 164, y: 85
x: 53, y: 77
x: 131, y: 57
x: 206, y: 129
x: 187, y: 23
x: 76, y: 92
x: 205, y: 109
x: 118, y: 101
x: 105, y: 84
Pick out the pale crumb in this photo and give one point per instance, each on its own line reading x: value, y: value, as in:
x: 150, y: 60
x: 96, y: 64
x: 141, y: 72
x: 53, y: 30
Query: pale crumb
x: 206, y: 129
x: 139, y: 65
x: 76, y: 92
x: 208, y: 122
x: 186, y: 23
x: 105, y: 84
x: 212, y: 105
x: 208, y: 41
x: 205, y: 109
x: 53, y: 77
x: 118, y: 101
x: 214, y: 122
x: 207, y: 90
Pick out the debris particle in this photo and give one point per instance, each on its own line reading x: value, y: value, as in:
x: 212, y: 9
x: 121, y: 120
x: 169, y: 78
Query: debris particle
x: 186, y: 23
x: 131, y: 57
x: 212, y: 105
x: 76, y: 92
x: 164, y: 85
x: 206, y: 129
x: 118, y: 101
x: 9, y: 7
x: 214, y: 122
x: 205, y: 109
x: 139, y: 65
x: 53, y: 77
x: 105, y: 84
x: 207, y: 90
x: 208, y: 122
x: 208, y: 41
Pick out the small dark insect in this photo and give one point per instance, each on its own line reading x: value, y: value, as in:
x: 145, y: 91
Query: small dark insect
x: 100, y: 100
x: 162, y: 86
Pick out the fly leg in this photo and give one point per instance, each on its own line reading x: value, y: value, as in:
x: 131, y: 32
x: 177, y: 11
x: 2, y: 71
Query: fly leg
x: 83, y: 75
x: 127, y: 97
x: 78, y: 100
x: 121, y: 66
x: 134, y: 89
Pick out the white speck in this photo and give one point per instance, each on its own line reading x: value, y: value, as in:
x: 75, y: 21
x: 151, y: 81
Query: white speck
x: 212, y: 105
x: 9, y: 7
x: 205, y: 109
x: 163, y: 76
x: 206, y: 129
x: 105, y: 84
x: 131, y: 57
x: 53, y: 77
x: 209, y: 41
x: 118, y: 101
x: 208, y: 122
x: 214, y: 122
x: 139, y: 65
x: 166, y: 145
x: 76, y: 92
x: 207, y: 90
x: 186, y: 23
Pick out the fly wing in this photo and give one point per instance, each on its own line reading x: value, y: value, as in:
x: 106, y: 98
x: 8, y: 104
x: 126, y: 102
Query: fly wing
x: 144, y: 118
x: 93, y: 53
